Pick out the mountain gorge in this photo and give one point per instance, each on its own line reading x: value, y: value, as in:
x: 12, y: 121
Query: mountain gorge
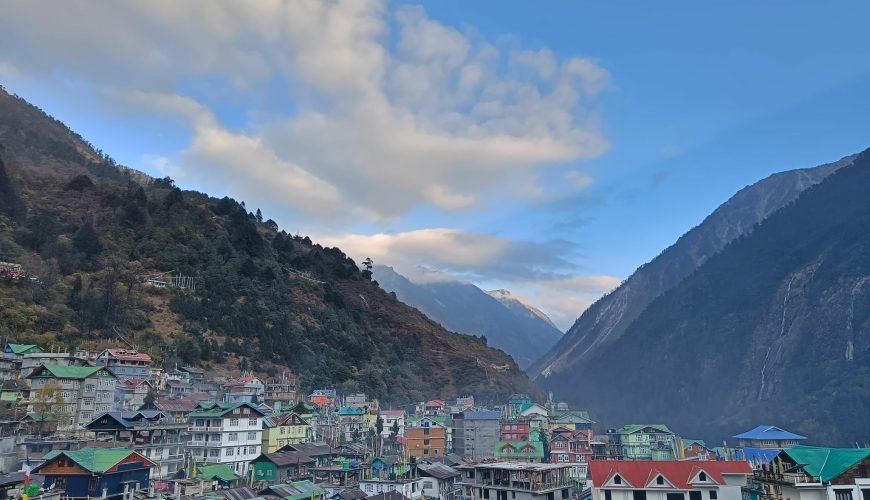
x: 507, y: 323
x: 91, y: 233
x: 774, y: 328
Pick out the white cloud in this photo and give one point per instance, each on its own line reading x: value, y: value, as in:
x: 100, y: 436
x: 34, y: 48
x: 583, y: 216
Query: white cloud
x: 436, y: 118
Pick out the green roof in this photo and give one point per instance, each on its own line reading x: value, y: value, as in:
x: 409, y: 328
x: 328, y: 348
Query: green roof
x: 217, y: 471
x: 827, y: 463
x: 537, y: 449
x: 350, y: 410
x: 632, y: 428
x: 96, y: 460
x: 24, y: 348
x: 76, y: 372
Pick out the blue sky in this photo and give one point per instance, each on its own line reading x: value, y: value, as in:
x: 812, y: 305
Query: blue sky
x: 549, y: 148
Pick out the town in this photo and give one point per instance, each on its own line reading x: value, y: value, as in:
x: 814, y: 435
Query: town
x: 115, y: 425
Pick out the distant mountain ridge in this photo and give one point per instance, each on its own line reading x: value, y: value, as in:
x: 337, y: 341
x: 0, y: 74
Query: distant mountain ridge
x: 773, y: 327
x: 509, y: 324
x: 607, y: 319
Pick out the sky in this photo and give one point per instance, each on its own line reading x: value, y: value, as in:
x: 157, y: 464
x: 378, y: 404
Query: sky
x: 549, y: 148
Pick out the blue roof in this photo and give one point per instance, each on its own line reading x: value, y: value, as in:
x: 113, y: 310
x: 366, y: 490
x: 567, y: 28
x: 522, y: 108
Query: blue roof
x: 482, y: 415
x: 768, y: 432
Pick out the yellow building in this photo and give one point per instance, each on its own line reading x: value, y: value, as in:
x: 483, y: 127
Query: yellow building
x: 284, y: 429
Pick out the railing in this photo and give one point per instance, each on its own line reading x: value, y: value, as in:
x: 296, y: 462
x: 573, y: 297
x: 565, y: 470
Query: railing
x: 784, y: 478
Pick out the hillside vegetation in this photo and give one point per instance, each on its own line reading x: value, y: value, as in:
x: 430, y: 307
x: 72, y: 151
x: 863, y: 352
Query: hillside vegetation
x: 92, y: 232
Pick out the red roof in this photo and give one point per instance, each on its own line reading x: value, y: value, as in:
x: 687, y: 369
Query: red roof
x: 242, y: 381
x: 129, y: 355
x: 639, y: 474
x: 176, y: 405
x: 435, y: 402
x: 393, y: 413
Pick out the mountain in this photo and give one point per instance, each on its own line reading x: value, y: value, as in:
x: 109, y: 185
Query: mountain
x: 507, y: 323
x: 519, y: 307
x: 773, y: 328
x: 94, y: 236
x: 607, y: 319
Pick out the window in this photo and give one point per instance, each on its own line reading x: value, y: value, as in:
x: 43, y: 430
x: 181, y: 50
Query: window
x: 252, y: 421
x: 283, y: 430
x: 234, y: 436
x: 214, y: 453
x: 252, y: 436
x: 426, y: 452
x: 60, y: 482
x: 231, y: 452
x: 638, y: 495
x: 565, y: 493
x: 675, y: 496
x: 843, y: 494
x: 563, y: 459
x: 865, y: 494
x: 608, y: 495
x: 425, y: 441
x: 425, y: 431
x: 200, y: 423
x: 234, y: 422
x: 702, y: 476
x: 369, y: 488
x: 617, y: 479
x: 660, y: 481
x: 714, y: 494
x: 695, y: 495
x: 427, y: 485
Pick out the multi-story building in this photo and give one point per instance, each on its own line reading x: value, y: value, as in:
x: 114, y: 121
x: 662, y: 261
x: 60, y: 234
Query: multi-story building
x: 697, y: 449
x: 645, y: 442
x: 520, y: 451
x: 247, y: 389
x: 351, y: 423
x: 393, y: 419
x: 226, y: 433
x: 410, y: 487
x: 516, y: 481
x: 426, y: 439
x: 33, y: 360
x: 75, y: 394
x: 439, y: 481
x: 176, y: 408
x: 281, y: 430
x: 515, y: 430
x: 768, y: 437
x: 668, y: 480
x: 434, y: 407
x: 126, y: 363
x: 475, y: 433
x: 22, y: 349
x: 281, y: 396
x: 96, y: 473
x: 570, y: 445
x: 814, y: 473
x: 151, y: 433
x: 130, y: 394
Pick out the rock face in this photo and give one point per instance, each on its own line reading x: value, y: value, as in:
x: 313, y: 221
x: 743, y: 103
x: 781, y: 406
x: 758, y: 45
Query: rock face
x: 607, y: 319
x: 508, y: 324
x: 774, y: 327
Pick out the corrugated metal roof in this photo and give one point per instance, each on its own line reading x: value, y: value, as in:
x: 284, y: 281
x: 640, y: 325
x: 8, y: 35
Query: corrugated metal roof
x: 769, y: 432
x: 827, y: 463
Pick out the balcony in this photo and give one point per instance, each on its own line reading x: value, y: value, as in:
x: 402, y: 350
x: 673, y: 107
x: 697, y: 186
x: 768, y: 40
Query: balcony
x: 788, y: 478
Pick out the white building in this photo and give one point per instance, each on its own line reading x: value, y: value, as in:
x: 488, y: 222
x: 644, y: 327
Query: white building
x: 516, y: 481
x: 226, y: 433
x: 391, y: 418
x: 126, y: 363
x: 816, y: 473
x: 411, y: 488
x: 668, y: 480
x: 78, y: 395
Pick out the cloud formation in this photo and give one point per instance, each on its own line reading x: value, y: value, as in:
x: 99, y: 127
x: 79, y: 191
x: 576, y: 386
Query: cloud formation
x: 380, y: 127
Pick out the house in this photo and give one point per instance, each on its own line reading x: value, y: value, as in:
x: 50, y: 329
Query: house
x: 475, y: 433
x: 226, y: 433
x: 668, y: 480
x: 434, y: 407
x: 570, y: 445
x: 697, y: 449
x: 533, y: 409
x: 22, y: 349
x: 427, y: 439
x: 194, y: 374
x: 175, y: 408
x: 297, y: 490
x: 10, y: 367
x: 409, y: 487
x: 351, y: 422
x: 515, y: 430
x: 388, y: 495
x: 349, y: 494
x: 393, y: 419
x: 281, y: 395
x: 96, y: 472
x: 178, y: 388
x: 33, y: 360
x: 769, y: 437
x: 322, y: 453
x: 281, y: 466
x: 387, y: 466
x: 571, y: 419
x: 220, y: 475
x: 73, y: 394
x: 339, y: 475
x: 248, y: 389
x: 815, y: 473
x: 439, y: 480
x: 324, y: 398
x: 519, y: 451
x: 281, y: 430
x: 130, y: 394
x: 126, y: 363
x: 516, y: 481
x: 151, y: 433
x: 645, y: 442
x: 516, y: 404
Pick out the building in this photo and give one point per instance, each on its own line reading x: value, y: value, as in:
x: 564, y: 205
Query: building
x: 768, y: 437
x: 130, y: 394
x: 668, y: 480
x: 284, y: 429
x: 175, y: 408
x: 351, y: 423
x: 516, y: 481
x: 516, y: 404
x: 570, y: 445
x: 645, y: 442
x: 393, y: 419
x: 247, y: 389
x: 515, y: 430
x: 697, y: 449
x: 475, y: 433
x: 96, y: 472
x: 434, y: 407
x: 439, y: 481
x: 150, y: 433
x: 411, y: 487
x: 281, y: 466
x: 22, y: 349
x: 519, y: 451
x: 815, y: 473
x: 126, y: 363
x: 296, y: 490
x: 427, y: 439
x: 281, y: 396
x: 33, y: 360
x: 322, y: 453
x: 324, y: 398
x: 71, y: 394
x: 226, y: 433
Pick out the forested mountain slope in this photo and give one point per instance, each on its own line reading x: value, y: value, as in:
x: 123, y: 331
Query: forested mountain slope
x: 774, y: 328
x: 91, y: 233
